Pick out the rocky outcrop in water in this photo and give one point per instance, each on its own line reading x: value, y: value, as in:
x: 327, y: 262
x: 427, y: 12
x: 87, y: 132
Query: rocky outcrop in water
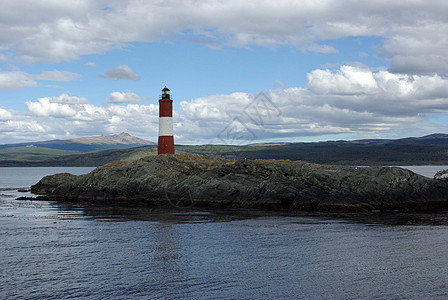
x: 270, y: 184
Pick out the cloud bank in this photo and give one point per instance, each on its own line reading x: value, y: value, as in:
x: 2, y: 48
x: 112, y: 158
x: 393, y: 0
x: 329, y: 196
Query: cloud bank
x: 350, y: 102
x: 413, y: 32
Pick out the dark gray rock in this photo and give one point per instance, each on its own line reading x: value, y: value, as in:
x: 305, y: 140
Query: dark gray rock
x: 47, y: 184
x: 245, y: 183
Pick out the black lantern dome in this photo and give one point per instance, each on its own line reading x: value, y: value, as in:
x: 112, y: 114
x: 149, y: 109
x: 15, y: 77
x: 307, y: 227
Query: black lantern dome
x: 165, y: 93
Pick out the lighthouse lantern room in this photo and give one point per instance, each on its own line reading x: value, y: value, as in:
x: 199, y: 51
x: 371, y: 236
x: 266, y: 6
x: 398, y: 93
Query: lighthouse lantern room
x: 165, y: 93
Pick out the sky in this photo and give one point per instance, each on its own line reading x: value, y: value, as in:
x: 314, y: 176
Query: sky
x: 239, y: 71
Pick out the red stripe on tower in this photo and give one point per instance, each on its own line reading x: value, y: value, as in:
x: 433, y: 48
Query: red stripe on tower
x: 166, y: 139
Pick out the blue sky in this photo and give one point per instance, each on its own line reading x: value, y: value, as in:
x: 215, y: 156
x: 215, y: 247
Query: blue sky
x: 329, y: 70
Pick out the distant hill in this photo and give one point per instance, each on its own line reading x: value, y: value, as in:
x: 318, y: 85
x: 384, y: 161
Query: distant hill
x: 32, y: 153
x: 87, y: 144
x: 437, y: 139
x: 90, y: 159
x: 426, y: 150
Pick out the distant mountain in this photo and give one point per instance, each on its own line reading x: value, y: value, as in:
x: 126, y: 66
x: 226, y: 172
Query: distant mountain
x: 87, y: 144
x: 122, y: 138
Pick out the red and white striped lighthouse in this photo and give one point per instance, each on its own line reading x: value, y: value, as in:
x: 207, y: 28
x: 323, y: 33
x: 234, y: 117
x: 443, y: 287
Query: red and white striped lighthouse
x: 166, y: 139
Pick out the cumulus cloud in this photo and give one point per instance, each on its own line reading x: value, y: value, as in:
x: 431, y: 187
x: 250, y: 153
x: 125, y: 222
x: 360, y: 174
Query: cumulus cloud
x: 121, y: 72
x: 5, y: 115
x: 118, y: 97
x: 347, y: 80
x: 22, y: 129
x: 413, y: 33
x: 44, y: 108
x: 349, y: 102
x: 65, y: 98
x: 54, y: 117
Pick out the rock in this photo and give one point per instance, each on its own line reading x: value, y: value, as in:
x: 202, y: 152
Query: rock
x: 47, y: 184
x: 441, y: 175
x: 26, y: 198
x: 268, y: 184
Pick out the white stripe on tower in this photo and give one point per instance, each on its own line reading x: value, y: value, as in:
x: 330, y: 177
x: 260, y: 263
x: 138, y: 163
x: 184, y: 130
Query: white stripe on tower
x: 165, y: 126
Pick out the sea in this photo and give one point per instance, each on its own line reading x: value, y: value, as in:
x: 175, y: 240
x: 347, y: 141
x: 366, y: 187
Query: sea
x: 51, y: 250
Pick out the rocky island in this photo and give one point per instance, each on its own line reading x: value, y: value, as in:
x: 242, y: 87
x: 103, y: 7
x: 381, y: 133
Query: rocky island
x: 205, y: 181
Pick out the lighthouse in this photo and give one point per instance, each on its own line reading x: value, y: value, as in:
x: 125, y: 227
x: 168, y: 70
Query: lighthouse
x: 166, y: 139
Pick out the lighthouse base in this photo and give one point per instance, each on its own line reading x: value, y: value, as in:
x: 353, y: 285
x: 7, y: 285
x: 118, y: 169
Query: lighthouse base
x: 165, y: 145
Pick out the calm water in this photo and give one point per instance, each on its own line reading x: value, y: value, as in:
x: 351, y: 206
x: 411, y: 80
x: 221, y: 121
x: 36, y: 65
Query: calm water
x: 51, y: 251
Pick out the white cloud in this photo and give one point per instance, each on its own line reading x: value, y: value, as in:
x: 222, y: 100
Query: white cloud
x: 90, y: 64
x: 15, y: 80
x: 65, y: 98
x: 318, y: 48
x: 350, y: 102
x: 55, y: 75
x: 214, y: 108
x: 5, y: 115
x: 51, y: 117
x: 420, y: 48
x: 122, y: 72
x: 348, y: 80
x: 118, y: 97
x: 45, y: 108
x: 23, y: 129
x: 414, y: 33
x: 20, y: 80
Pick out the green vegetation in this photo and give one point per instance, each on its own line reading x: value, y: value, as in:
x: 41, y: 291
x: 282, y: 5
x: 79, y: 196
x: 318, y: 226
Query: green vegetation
x: 32, y: 153
x: 90, y: 159
x: 88, y: 144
